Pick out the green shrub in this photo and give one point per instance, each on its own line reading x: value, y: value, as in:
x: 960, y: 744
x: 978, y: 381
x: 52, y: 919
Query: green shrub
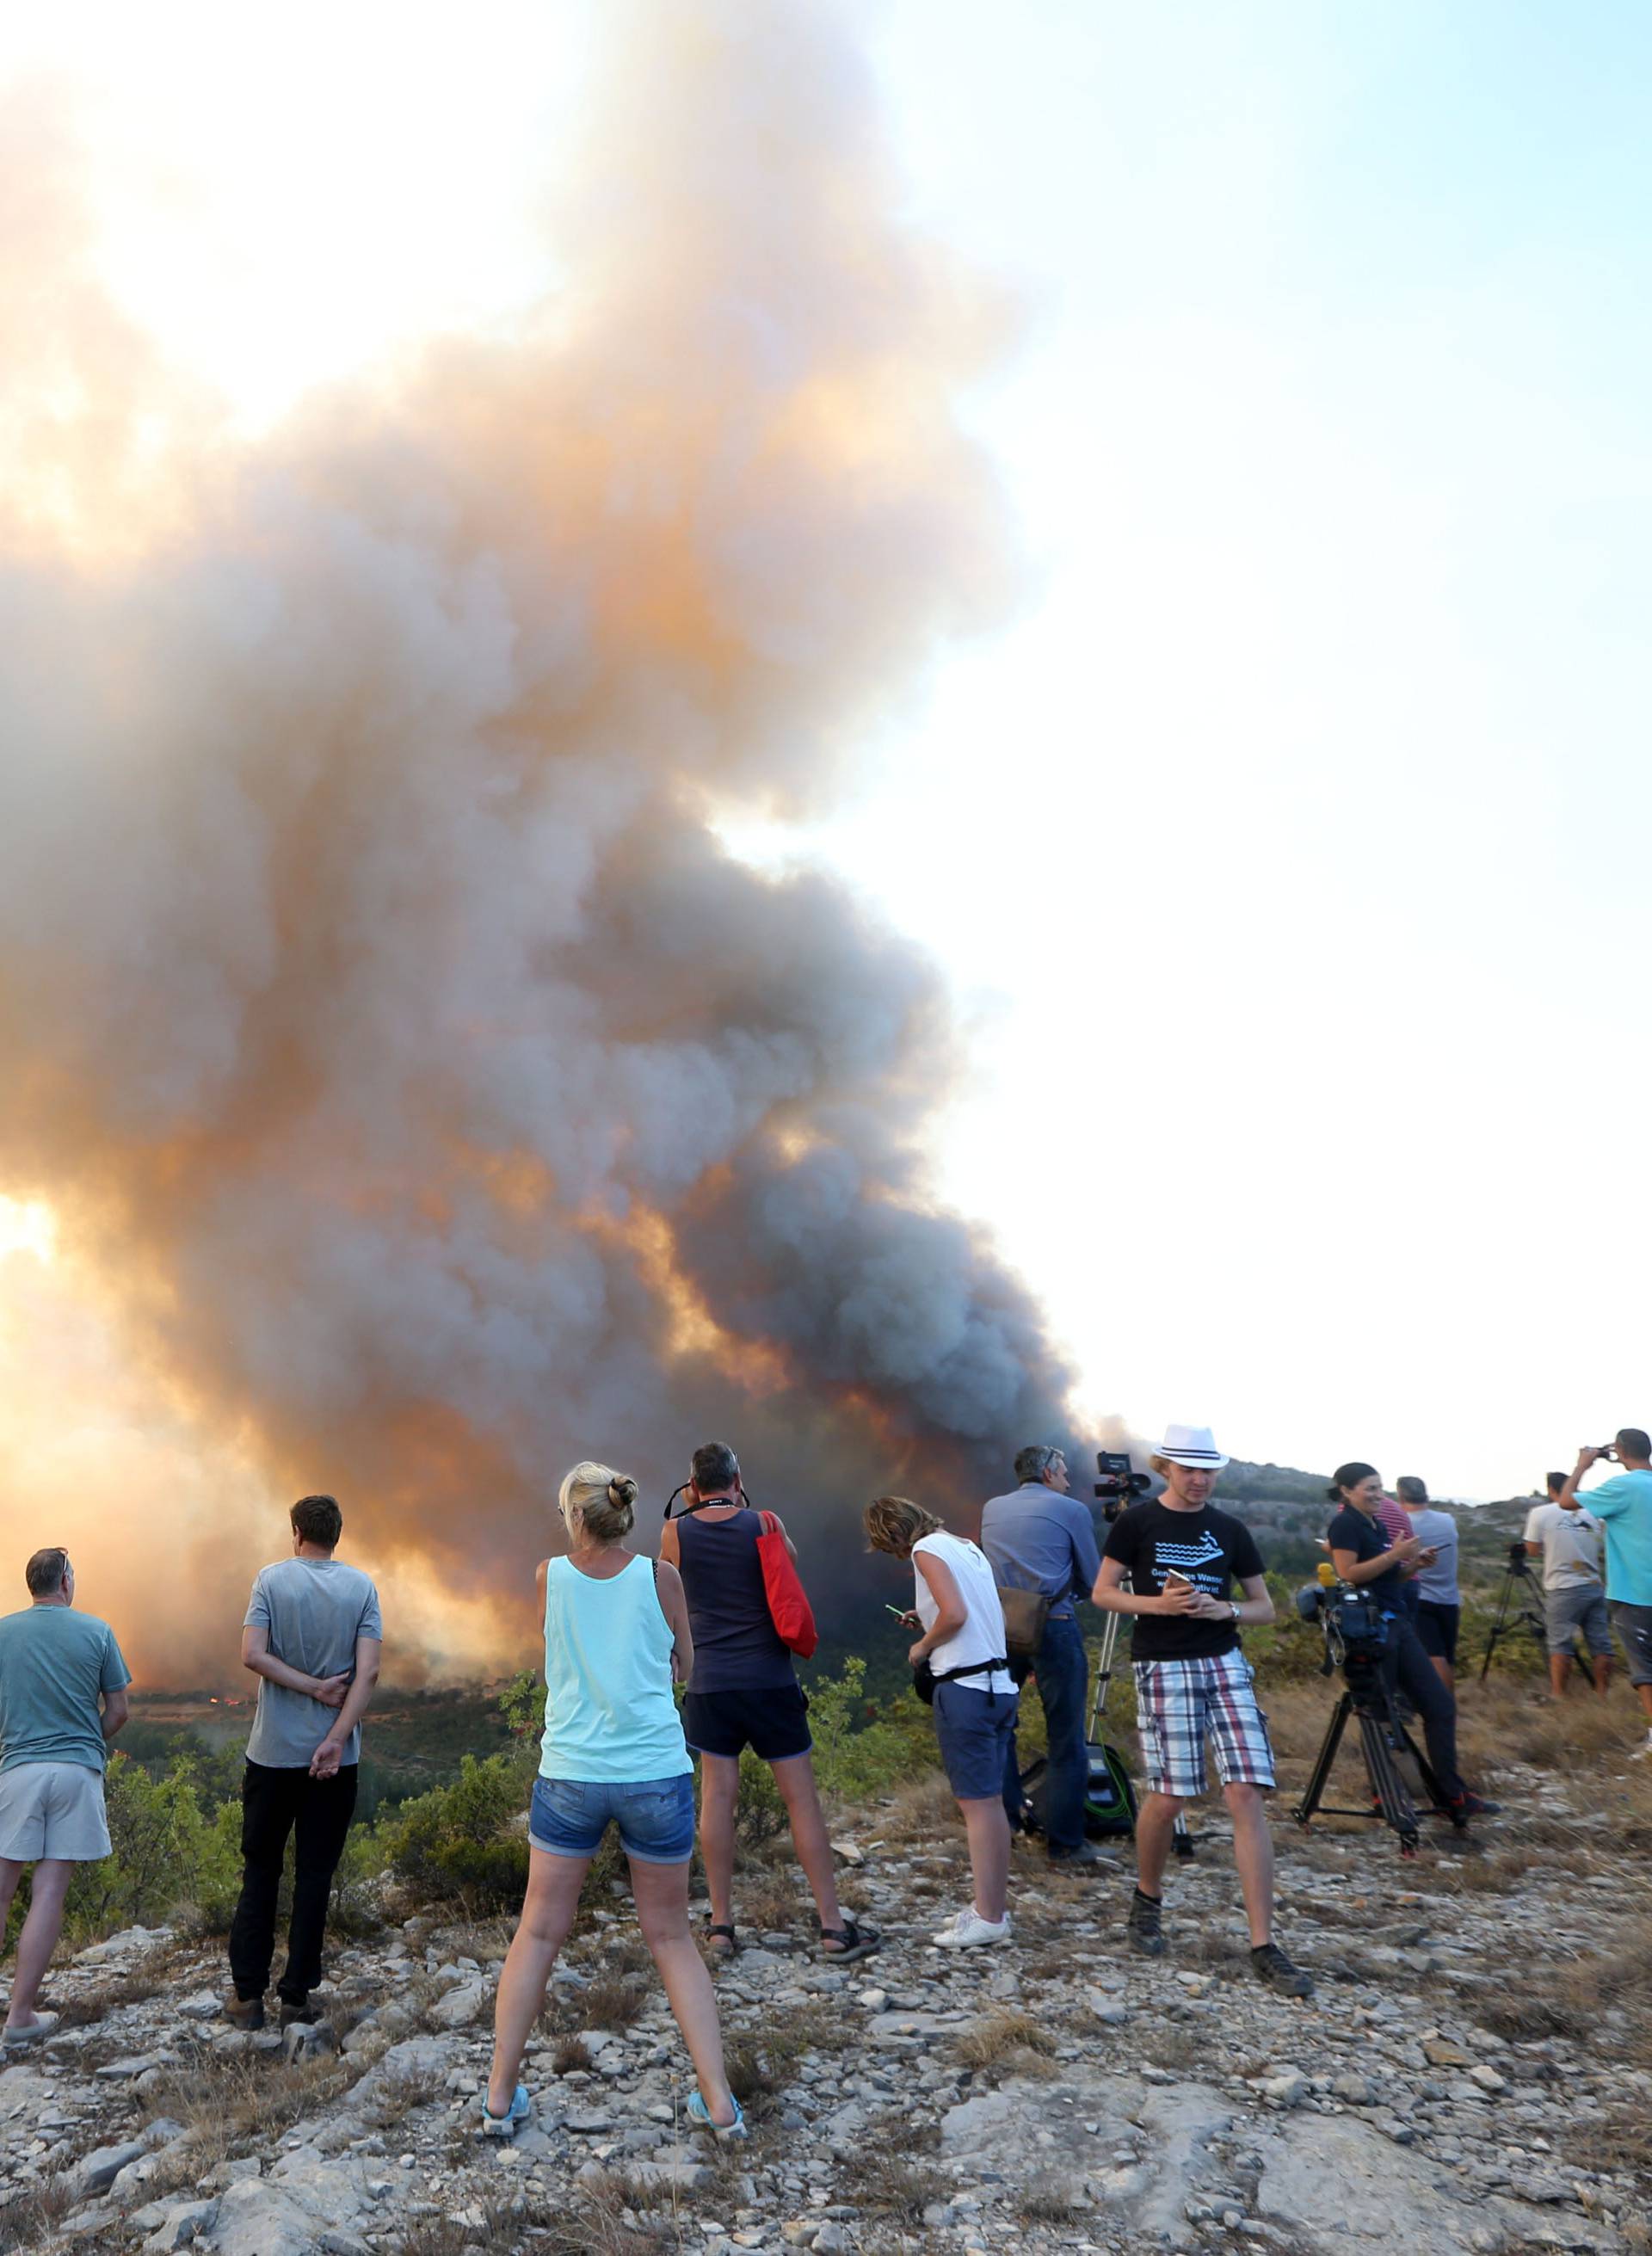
x: 167, y: 1854
x: 863, y: 1749
x: 464, y: 1843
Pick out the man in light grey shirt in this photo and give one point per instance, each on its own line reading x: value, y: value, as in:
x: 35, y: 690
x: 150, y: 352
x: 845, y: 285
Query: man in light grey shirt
x: 1435, y: 1598
x: 1566, y: 1537
x: 312, y: 1634
x: 1039, y: 1538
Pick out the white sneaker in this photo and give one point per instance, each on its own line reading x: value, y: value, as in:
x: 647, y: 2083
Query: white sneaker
x: 969, y: 1931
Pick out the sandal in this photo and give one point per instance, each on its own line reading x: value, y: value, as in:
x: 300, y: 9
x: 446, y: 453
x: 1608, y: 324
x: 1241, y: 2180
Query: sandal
x: 724, y: 1941
x: 851, y: 1941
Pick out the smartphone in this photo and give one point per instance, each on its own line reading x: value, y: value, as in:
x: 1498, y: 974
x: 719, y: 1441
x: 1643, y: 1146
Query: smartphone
x: 899, y: 1612
x: 1180, y: 1582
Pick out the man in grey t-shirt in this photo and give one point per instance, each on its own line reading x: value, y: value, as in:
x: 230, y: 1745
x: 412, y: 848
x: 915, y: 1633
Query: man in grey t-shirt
x: 62, y: 1699
x: 312, y: 1634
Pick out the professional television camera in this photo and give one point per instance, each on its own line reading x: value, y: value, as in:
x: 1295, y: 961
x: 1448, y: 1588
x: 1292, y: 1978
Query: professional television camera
x: 1356, y: 1635
x: 1119, y: 1487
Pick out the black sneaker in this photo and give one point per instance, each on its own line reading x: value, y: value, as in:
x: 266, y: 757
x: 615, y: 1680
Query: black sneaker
x: 1471, y: 1805
x: 1143, y: 1927
x: 1269, y: 1964
x: 1085, y: 1853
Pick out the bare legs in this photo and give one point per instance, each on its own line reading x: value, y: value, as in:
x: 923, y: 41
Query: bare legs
x: 988, y: 1827
x: 661, y: 1894
x: 1599, y: 1669
x: 1252, y: 1852
x: 796, y: 1779
x: 40, y: 1929
x: 719, y: 1798
x: 1156, y: 1823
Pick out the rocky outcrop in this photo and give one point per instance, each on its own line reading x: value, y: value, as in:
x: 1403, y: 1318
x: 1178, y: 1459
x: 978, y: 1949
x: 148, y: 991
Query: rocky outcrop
x: 1053, y: 2096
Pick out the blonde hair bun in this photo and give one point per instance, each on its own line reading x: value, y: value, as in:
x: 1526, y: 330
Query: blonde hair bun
x: 601, y: 1502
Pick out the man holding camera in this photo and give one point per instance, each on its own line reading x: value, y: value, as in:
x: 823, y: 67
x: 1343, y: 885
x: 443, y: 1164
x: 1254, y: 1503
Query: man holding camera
x: 1567, y: 1539
x: 1623, y: 1506
x: 1193, y: 1684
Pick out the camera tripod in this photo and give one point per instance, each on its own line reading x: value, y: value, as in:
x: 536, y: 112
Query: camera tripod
x: 1523, y: 1612
x: 1382, y: 1739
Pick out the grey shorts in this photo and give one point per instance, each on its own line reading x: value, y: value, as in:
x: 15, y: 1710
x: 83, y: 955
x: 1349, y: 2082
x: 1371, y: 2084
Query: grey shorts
x: 1571, y: 1607
x: 1634, y: 1625
x: 52, y: 1809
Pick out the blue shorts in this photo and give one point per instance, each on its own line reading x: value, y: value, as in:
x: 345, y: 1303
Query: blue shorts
x: 567, y: 1817
x: 974, y: 1729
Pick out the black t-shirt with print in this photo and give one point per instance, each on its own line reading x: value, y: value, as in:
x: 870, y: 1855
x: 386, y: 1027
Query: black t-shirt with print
x: 1211, y: 1549
x: 1356, y: 1531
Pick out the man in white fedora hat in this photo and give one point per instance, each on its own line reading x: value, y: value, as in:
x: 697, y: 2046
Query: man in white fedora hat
x: 1180, y: 1559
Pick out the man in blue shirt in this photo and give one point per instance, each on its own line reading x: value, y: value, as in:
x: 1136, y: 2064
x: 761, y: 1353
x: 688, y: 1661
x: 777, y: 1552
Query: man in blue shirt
x: 62, y: 1699
x: 1623, y: 1506
x: 1039, y: 1538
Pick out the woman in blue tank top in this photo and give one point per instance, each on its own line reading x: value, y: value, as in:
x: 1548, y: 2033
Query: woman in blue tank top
x: 615, y: 1639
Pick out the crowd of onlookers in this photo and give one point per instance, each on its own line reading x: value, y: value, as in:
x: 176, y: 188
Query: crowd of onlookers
x: 652, y: 1662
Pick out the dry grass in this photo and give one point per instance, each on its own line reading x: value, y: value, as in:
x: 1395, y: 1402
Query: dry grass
x: 612, y: 2001
x: 229, y: 2105
x: 1007, y: 2042
x: 890, y: 2185
x: 572, y: 2052
x: 768, y: 1899
x: 33, y: 2218
x: 395, y: 2098
x: 924, y: 1809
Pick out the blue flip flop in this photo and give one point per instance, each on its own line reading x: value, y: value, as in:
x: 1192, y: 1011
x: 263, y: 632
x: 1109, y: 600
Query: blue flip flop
x: 700, y: 2116
x: 506, y: 2125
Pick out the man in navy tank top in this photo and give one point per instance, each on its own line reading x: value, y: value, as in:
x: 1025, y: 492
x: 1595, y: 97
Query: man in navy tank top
x: 745, y: 1692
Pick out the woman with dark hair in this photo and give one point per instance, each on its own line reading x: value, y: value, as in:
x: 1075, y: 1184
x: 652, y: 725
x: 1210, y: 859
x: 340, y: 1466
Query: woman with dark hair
x: 1363, y: 1555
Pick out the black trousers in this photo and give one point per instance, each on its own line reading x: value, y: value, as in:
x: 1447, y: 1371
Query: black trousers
x: 1408, y: 1668
x: 275, y: 1803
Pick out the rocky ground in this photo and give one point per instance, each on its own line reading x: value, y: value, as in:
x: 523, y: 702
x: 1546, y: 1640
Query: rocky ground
x: 1475, y: 2073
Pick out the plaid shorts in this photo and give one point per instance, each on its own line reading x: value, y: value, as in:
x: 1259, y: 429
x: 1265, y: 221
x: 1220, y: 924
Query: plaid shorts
x: 1181, y: 1704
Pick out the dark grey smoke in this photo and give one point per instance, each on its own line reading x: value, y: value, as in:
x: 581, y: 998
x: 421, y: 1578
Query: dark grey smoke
x: 382, y: 1015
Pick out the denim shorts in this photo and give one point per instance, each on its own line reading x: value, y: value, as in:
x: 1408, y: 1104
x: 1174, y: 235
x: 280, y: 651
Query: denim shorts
x: 567, y: 1817
x: 974, y: 1729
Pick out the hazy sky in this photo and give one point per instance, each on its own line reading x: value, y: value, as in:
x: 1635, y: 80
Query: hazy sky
x: 1285, y: 853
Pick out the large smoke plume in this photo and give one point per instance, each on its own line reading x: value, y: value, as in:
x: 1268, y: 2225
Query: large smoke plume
x: 434, y: 1098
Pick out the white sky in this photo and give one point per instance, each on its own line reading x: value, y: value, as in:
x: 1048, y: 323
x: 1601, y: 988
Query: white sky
x: 1285, y: 856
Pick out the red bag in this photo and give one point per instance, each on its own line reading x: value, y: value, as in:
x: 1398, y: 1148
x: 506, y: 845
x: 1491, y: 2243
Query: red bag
x: 789, y: 1609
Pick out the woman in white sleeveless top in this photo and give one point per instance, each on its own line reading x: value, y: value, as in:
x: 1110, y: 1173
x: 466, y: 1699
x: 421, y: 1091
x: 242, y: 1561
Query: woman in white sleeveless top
x: 615, y: 1639
x: 963, y: 1640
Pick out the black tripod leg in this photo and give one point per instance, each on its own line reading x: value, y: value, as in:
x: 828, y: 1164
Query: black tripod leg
x: 1387, y: 1784
x: 1430, y: 1780
x: 1499, y: 1627
x: 1315, y: 1791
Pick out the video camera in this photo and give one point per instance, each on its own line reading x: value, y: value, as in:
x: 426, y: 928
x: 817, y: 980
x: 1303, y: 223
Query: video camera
x: 1356, y: 1634
x: 1119, y: 1487
x: 1518, y: 1563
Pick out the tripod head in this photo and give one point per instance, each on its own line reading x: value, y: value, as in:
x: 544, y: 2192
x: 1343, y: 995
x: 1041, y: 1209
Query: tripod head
x: 1518, y: 1564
